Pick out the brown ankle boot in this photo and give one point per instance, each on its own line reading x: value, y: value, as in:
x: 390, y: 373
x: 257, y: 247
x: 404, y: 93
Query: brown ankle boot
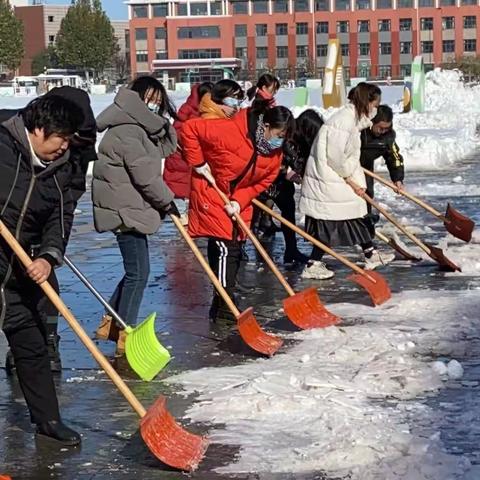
x: 108, y: 329
x: 122, y: 337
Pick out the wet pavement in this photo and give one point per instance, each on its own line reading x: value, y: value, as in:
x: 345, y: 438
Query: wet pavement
x: 180, y: 294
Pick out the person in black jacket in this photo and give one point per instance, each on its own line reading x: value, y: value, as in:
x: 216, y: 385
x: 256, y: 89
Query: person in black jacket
x: 82, y: 152
x: 36, y: 205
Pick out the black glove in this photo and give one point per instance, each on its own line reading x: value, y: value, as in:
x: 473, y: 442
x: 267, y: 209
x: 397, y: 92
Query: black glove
x: 170, y: 209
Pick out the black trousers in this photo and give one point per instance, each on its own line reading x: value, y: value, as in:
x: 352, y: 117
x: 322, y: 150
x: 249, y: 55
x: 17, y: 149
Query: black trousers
x: 224, y: 257
x: 25, y: 329
x: 285, y: 201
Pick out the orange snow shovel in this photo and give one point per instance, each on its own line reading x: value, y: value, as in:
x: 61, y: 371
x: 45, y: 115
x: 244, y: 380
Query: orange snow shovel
x: 166, y: 439
x: 376, y: 286
x: 304, y: 309
x: 391, y: 242
x: 248, y: 327
x: 455, y: 223
x: 434, y: 253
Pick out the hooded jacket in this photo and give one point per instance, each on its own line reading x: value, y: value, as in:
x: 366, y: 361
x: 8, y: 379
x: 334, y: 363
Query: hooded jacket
x: 225, y: 144
x: 335, y: 155
x: 177, y: 172
x: 35, y: 205
x: 128, y: 190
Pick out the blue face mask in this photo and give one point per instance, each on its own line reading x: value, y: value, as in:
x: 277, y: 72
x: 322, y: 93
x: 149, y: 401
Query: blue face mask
x: 153, y: 107
x: 275, y: 142
x: 231, y: 102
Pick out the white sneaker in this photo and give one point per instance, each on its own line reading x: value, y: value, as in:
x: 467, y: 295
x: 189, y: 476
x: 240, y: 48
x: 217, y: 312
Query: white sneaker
x: 378, y: 260
x: 317, y: 270
x: 184, y: 219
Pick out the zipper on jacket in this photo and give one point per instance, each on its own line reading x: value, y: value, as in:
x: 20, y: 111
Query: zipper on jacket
x: 62, y: 224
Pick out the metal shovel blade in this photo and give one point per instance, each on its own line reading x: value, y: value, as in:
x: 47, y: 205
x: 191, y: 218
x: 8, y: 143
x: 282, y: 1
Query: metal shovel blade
x: 376, y: 286
x: 458, y: 225
x: 445, y: 264
x: 305, y: 310
x: 168, y: 441
x: 253, y: 335
x: 398, y: 248
x: 145, y: 354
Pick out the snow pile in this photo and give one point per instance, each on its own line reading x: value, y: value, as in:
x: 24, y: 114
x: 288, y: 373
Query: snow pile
x: 346, y: 400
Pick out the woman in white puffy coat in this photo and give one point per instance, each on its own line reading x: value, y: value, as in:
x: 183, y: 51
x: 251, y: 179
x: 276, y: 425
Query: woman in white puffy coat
x: 334, y: 183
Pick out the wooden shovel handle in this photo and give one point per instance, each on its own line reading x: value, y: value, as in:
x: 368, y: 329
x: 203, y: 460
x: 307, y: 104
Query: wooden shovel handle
x: 313, y: 240
x: 258, y: 245
x: 406, y: 194
x: 72, y: 321
x: 211, y: 275
x: 395, y: 222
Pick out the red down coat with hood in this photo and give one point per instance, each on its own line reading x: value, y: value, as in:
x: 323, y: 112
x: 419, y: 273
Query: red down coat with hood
x: 226, y: 146
x: 177, y: 173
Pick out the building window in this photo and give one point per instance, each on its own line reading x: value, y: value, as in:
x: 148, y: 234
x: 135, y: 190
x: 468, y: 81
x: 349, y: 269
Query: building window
x: 301, y: 5
x: 384, y: 25
x: 384, y: 71
x: 280, y: 6
x: 448, y: 3
x: 448, y: 23
x: 260, y: 6
x: 261, y: 29
x: 426, y: 3
x: 160, y: 33
x: 160, y: 10
x: 302, y: 28
x: 161, y: 55
x: 385, y: 48
x: 362, y: 5
x: 405, y: 48
x: 198, y: 9
x: 199, y: 53
x: 322, y: 5
x: 427, y: 47
x: 322, y: 27
x: 282, y: 52
x: 50, y: 19
x: 281, y: 29
x: 322, y: 50
x: 363, y: 25
x: 364, y: 49
x: 405, y: 70
x: 345, y: 48
x: 426, y: 23
x: 404, y: 3
x: 343, y: 26
x: 240, y: 30
x: 51, y: 39
x: 198, y: 32
x: 182, y: 10
x: 216, y: 8
x: 140, y: 34
x: 384, y: 3
x: 448, y: 46
x: 342, y: 5
x: 470, y: 45
x: 140, y: 11
x: 241, y: 52
x: 142, y: 56
x: 262, y: 52
x: 470, y: 21
x: 302, y: 51
x: 240, y: 6
x: 405, y: 24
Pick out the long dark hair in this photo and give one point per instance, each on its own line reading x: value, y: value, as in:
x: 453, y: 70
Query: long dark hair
x: 265, y: 80
x: 226, y: 88
x: 282, y: 118
x: 143, y: 84
x: 307, y: 126
x: 203, y: 88
x: 361, y: 95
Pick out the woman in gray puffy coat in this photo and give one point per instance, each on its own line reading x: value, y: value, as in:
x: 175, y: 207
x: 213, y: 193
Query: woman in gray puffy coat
x: 129, y: 195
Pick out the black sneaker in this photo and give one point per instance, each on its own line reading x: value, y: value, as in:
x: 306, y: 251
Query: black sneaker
x: 56, y: 430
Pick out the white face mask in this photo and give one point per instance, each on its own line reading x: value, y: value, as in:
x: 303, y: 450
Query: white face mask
x: 153, y: 107
x: 373, y: 113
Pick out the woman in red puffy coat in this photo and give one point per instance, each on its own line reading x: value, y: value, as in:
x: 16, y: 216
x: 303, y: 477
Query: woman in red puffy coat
x: 177, y: 171
x: 242, y: 156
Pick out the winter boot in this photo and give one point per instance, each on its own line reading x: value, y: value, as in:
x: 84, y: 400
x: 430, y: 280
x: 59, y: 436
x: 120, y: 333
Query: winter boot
x: 377, y: 259
x: 108, y: 329
x: 120, y: 350
x: 317, y: 270
x: 219, y: 312
x: 53, y: 341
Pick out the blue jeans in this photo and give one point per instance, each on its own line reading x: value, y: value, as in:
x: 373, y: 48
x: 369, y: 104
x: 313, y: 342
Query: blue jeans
x: 128, y: 295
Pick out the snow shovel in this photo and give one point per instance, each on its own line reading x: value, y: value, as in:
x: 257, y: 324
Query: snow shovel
x: 398, y: 248
x: 376, y: 286
x: 248, y: 327
x: 457, y: 224
x: 166, y: 439
x: 145, y: 354
x: 434, y: 253
x: 304, y: 309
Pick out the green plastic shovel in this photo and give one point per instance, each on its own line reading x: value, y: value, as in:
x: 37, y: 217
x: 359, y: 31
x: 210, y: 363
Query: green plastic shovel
x: 145, y: 354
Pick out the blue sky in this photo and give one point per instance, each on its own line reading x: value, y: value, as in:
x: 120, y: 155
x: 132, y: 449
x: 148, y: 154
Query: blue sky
x: 115, y: 9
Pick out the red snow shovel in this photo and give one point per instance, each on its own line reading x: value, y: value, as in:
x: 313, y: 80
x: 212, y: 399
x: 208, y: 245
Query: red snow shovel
x: 398, y: 248
x: 457, y: 224
x: 304, y: 309
x: 434, y: 253
x: 376, y: 286
x: 248, y: 327
x: 167, y: 440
